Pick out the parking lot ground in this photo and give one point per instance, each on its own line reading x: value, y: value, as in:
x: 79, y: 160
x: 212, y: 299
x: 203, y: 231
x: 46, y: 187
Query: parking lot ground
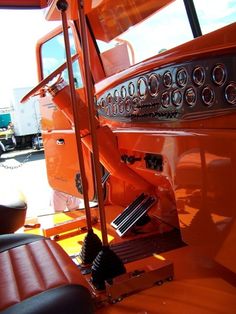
x: 25, y: 171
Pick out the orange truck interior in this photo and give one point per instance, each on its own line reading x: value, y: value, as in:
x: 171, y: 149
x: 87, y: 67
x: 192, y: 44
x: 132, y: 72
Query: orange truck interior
x: 153, y: 145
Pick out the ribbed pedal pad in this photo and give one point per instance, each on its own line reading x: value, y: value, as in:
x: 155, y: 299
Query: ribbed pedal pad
x: 127, y: 211
x: 124, y: 222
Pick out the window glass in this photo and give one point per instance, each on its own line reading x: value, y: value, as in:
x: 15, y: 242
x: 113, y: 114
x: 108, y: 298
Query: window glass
x: 214, y: 14
x: 53, y: 55
x: 170, y: 27
x: 163, y: 30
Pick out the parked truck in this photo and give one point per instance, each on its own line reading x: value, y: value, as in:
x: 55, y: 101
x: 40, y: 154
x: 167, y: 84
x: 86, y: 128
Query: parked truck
x: 7, y: 137
x: 20, y: 125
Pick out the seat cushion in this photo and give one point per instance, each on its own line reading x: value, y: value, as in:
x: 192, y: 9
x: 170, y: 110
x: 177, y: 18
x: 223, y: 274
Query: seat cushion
x: 10, y: 241
x: 69, y: 299
x: 34, y: 268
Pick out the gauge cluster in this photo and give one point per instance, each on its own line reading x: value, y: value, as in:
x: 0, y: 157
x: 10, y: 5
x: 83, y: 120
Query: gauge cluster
x: 183, y: 91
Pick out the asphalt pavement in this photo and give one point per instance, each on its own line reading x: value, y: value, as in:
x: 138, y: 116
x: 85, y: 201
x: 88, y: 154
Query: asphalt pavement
x: 25, y: 171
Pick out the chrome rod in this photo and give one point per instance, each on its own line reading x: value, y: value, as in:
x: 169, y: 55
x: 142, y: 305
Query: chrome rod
x: 62, y: 6
x: 91, y: 111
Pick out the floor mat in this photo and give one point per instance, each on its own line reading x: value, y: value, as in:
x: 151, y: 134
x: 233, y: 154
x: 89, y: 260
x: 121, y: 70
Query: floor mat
x: 145, y: 246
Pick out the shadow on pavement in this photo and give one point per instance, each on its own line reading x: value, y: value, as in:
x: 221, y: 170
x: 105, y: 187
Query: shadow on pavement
x: 22, y: 157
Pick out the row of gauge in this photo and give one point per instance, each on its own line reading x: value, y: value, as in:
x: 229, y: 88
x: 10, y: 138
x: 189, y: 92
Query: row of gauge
x: 150, y: 86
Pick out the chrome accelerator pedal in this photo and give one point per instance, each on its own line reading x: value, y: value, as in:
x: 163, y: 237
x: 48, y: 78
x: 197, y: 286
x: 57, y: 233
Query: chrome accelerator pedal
x: 133, y: 213
x: 136, y: 214
x: 127, y: 211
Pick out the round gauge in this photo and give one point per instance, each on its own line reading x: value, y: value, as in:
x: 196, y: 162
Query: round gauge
x: 165, y: 99
x: 176, y: 98
x: 107, y: 110
x: 153, y: 84
x: 181, y: 77
x: 199, y: 76
x: 167, y: 79
x: 131, y: 89
x: 123, y: 92
x: 116, y: 95
x: 219, y: 74
x: 190, y: 96
x: 128, y: 105
x: 208, y: 95
x: 230, y: 93
x: 121, y: 107
x: 114, y: 109
x: 102, y: 103
x: 109, y: 99
x: 142, y: 87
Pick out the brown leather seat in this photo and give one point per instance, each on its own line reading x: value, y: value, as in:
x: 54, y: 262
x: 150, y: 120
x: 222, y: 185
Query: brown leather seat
x: 38, y: 277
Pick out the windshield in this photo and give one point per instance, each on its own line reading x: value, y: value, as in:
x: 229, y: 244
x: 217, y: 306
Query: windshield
x: 215, y: 14
x: 170, y: 27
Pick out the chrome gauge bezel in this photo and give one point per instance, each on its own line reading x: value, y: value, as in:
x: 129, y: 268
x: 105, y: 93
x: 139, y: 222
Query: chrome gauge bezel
x: 102, y: 103
x: 190, y: 101
x: 177, y: 102
x: 227, y: 96
x: 142, y: 94
x: 215, y: 79
x: 181, y: 77
x: 199, y: 75
x: 155, y: 78
x: 128, y: 105
x: 109, y: 99
x: 123, y: 92
x: 131, y: 89
x: 167, y: 79
x: 114, y: 109
x: 116, y: 95
x: 205, y: 97
x: 165, y: 99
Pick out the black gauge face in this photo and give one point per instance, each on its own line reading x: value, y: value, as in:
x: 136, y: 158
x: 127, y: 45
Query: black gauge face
x: 176, y: 98
x: 153, y: 85
x: 181, y: 77
x: 102, y: 103
x: 190, y: 96
x: 208, y: 95
x: 128, y: 105
x: 230, y: 93
x: 114, y: 109
x: 167, y: 79
x: 165, y: 99
x: 142, y: 87
x: 199, y: 76
x: 109, y: 99
x: 116, y: 95
x: 131, y: 89
x: 123, y: 92
x: 121, y: 108
x: 219, y: 74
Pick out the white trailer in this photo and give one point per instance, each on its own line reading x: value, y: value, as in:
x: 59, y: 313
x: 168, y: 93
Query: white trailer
x: 26, y: 117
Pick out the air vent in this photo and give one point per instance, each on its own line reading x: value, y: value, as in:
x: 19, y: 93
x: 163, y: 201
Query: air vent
x: 154, y: 162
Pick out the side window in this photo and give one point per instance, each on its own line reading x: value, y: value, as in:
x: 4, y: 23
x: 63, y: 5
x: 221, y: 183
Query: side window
x: 53, y: 55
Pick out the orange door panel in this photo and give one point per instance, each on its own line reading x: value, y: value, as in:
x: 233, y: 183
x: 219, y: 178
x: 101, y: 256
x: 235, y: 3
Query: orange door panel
x: 52, y: 117
x: 61, y: 151
x: 62, y: 163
